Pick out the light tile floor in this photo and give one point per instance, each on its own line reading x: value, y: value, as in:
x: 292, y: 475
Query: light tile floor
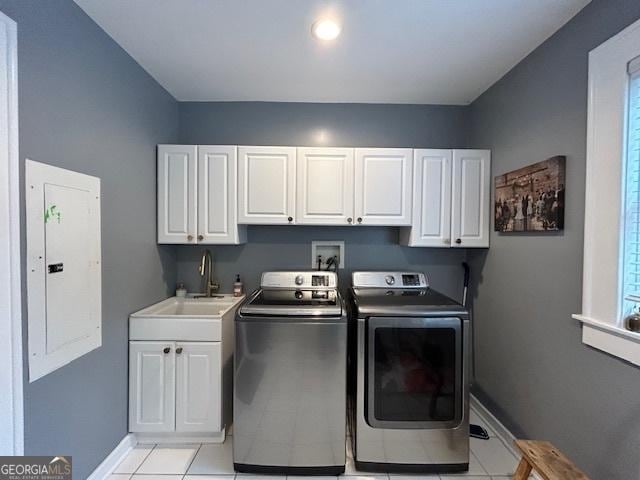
x: 490, y: 459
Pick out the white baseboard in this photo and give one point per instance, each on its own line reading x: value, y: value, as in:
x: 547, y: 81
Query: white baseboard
x: 502, y: 432
x: 180, y: 437
x: 116, y: 456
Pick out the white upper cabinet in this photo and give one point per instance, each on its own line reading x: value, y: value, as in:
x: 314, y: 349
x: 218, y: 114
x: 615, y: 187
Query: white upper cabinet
x: 324, y: 186
x: 450, y: 199
x: 217, y: 196
x: 383, y: 186
x: 197, y: 201
x: 177, y: 193
x: 470, y: 200
x: 207, y: 193
x: 266, y: 185
x: 432, y: 199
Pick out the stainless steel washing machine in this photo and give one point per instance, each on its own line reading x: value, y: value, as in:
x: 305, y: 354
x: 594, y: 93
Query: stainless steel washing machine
x: 408, y: 375
x: 290, y: 366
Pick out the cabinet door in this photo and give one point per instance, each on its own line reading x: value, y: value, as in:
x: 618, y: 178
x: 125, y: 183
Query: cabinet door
x: 324, y: 186
x: 198, y: 388
x: 431, y: 199
x: 383, y: 186
x: 217, y: 199
x: 177, y: 190
x: 470, y: 198
x: 151, y: 387
x: 266, y: 186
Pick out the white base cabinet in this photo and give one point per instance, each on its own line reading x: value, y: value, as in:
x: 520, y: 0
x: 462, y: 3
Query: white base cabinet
x: 175, y: 386
x: 451, y: 206
x: 152, y: 380
x: 198, y: 387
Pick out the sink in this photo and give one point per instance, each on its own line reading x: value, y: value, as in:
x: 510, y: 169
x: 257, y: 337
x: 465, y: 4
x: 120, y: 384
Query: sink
x: 187, y: 319
x: 194, y: 307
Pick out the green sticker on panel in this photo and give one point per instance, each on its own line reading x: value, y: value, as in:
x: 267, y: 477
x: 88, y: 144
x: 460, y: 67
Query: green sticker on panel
x: 52, y: 212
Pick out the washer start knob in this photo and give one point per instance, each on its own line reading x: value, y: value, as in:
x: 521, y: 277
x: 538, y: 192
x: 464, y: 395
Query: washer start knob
x: 389, y: 279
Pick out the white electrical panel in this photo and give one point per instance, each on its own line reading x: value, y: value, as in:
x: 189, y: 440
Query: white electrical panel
x: 63, y: 266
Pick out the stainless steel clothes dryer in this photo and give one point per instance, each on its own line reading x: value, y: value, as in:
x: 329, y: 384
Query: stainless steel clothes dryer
x: 408, y: 375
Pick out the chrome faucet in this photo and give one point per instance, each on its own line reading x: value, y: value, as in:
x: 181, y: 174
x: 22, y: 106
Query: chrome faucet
x: 206, y: 265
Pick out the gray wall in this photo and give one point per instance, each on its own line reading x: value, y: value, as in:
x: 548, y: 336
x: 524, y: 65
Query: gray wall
x: 324, y: 124
x: 305, y: 124
x: 84, y: 104
x: 531, y: 364
x: 285, y: 247
x: 87, y: 106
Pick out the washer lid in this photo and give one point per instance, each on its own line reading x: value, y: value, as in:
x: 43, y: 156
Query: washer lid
x: 399, y: 301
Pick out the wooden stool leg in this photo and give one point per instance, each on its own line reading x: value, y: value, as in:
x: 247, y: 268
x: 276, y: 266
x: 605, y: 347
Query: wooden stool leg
x: 523, y: 471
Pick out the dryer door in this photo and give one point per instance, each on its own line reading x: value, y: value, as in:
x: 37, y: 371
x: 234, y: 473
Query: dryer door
x: 414, y: 372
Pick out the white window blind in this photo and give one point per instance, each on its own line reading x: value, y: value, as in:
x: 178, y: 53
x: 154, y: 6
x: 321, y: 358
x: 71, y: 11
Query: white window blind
x: 631, y: 235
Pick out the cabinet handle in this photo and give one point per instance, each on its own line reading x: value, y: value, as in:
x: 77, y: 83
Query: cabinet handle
x: 349, y: 219
x: 189, y: 237
x: 359, y: 219
x: 290, y: 219
x: 200, y: 237
x: 166, y: 349
x: 179, y: 350
x: 458, y: 241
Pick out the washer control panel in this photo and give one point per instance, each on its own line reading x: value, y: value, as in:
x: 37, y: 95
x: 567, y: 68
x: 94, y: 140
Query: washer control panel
x: 299, y: 280
x: 389, y: 280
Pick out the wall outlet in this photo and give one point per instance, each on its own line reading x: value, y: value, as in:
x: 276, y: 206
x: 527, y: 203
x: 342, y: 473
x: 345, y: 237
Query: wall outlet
x: 326, y: 249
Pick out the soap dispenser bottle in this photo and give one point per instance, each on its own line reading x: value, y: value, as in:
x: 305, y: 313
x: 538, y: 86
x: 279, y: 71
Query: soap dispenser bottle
x: 237, y: 286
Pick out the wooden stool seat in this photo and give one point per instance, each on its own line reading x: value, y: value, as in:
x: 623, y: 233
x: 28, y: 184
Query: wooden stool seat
x: 546, y: 460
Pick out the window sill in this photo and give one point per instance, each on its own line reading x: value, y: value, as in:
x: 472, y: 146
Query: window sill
x: 610, y: 338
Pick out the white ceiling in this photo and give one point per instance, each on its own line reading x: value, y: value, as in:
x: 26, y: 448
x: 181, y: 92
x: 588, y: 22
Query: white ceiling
x: 390, y: 51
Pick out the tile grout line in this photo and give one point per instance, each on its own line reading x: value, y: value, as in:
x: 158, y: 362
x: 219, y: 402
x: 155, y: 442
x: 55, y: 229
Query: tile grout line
x: 143, y: 460
x: 186, y: 472
x: 472, y: 453
x: 499, y: 430
x: 498, y: 434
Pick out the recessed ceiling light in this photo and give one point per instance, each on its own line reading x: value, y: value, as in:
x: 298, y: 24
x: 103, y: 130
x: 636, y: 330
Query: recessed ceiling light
x: 325, y: 29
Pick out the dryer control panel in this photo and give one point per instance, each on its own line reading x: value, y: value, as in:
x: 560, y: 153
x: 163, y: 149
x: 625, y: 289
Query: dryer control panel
x: 388, y: 280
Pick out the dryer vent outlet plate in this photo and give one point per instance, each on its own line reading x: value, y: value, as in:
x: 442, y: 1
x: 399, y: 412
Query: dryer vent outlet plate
x: 326, y: 249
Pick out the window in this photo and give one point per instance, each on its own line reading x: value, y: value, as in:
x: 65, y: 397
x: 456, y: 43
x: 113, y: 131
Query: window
x: 631, y: 221
x: 611, y: 270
